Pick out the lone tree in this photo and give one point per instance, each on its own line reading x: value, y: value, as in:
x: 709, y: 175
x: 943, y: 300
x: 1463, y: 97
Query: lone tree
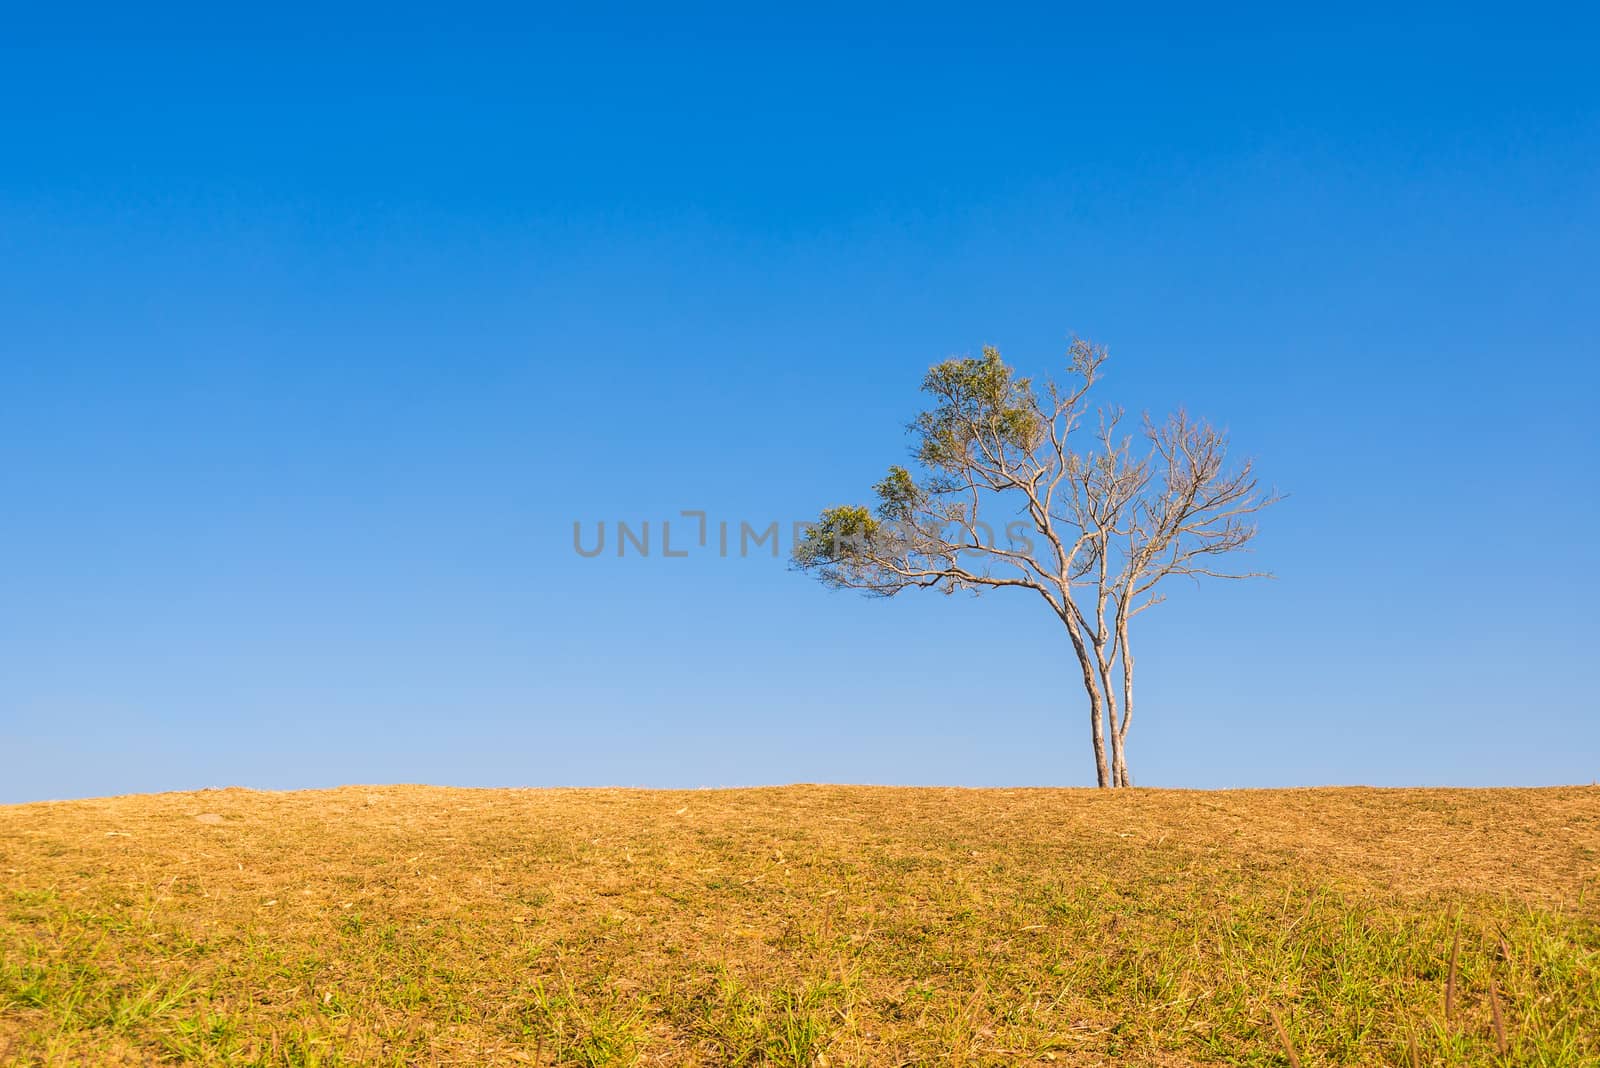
x: 1095, y: 523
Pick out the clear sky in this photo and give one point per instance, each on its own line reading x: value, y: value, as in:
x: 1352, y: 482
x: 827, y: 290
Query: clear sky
x: 318, y: 334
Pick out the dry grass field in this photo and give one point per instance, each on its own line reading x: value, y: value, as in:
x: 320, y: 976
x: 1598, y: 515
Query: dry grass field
x: 807, y: 925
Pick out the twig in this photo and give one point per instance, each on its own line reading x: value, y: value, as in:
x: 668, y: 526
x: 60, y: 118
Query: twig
x: 1499, y: 1020
x: 1450, y: 980
x: 1283, y: 1036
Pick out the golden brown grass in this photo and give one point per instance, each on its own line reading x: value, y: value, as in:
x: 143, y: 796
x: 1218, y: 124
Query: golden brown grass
x: 806, y: 925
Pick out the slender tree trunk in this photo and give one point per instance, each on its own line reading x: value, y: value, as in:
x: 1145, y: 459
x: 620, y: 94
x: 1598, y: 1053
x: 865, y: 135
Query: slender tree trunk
x: 1119, y: 762
x: 1102, y: 664
x: 1119, y: 758
x: 1102, y: 766
x: 1102, y: 710
x: 1104, y: 668
x: 1120, y: 746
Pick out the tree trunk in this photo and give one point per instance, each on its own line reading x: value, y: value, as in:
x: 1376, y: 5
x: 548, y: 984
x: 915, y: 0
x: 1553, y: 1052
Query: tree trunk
x: 1097, y: 721
x: 1120, y: 732
x: 1117, y: 736
x: 1118, y: 763
x: 1102, y: 766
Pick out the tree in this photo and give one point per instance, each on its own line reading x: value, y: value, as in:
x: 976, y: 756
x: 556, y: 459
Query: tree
x: 1097, y: 526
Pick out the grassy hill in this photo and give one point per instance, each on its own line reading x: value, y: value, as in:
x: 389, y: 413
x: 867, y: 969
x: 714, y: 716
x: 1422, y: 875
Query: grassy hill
x: 807, y: 925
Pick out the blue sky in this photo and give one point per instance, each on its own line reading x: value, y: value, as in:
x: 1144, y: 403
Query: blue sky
x: 319, y: 335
